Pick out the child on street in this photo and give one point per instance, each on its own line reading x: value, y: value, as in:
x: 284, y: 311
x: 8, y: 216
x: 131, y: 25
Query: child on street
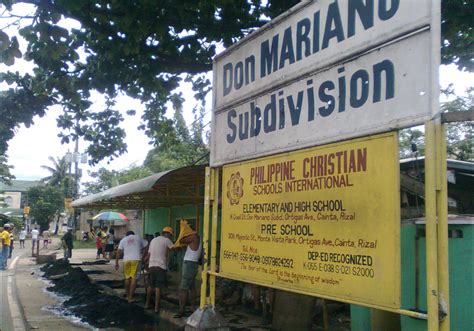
x: 99, y: 246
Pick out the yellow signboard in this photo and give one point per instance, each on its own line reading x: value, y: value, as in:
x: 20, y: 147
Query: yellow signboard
x: 67, y: 204
x: 324, y: 221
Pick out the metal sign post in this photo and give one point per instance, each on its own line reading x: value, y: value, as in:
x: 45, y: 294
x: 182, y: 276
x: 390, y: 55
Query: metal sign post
x: 442, y: 209
x: 215, y: 207
x: 207, y: 203
x: 431, y: 231
x: 326, y: 72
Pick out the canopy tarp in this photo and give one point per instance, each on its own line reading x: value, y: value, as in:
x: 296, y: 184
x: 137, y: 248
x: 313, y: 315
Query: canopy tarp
x: 168, y: 188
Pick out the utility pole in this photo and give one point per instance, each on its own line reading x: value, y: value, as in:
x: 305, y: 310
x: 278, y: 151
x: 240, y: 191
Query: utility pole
x: 76, y: 157
x: 73, y: 193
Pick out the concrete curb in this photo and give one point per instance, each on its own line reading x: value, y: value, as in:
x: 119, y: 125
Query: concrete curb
x: 17, y: 316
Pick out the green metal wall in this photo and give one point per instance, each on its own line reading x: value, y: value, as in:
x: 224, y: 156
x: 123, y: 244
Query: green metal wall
x: 155, y: 220
x: 461, y: 279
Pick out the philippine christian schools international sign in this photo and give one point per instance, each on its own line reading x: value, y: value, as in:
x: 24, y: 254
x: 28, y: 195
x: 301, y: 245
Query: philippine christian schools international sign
x: 324, y: 221
x: 325, y: 71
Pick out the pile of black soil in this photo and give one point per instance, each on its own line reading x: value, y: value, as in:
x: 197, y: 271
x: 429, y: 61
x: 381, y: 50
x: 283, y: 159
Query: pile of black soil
x: 88, y: 302
x: 57, y: 267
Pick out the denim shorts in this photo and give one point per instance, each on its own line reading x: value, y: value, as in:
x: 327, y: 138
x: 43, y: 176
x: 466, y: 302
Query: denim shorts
x: 188, y: 275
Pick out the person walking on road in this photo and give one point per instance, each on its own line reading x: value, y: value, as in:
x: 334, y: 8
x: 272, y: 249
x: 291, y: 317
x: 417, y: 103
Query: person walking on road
x: 6, y: 241
x: 12, y: 239
x: 109, y: 247
x: 130, y: 247
x: 22, y: 237
x: 2, y: 241
x: 34, y: 240
x: 157, y: 258
x: 46, y: 238
x: 99, y: 246
x: 67, y: 241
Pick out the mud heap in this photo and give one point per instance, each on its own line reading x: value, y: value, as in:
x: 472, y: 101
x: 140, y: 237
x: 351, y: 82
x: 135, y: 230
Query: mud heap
x: 87, y: 302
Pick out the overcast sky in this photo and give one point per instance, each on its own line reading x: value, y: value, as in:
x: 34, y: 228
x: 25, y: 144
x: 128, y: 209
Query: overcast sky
x: 31, y: 147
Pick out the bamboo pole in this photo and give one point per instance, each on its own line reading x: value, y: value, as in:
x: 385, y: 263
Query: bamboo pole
x: 215, y: 208
x: 431, y: 228
x: 205, y: 231
x: 442, y: 207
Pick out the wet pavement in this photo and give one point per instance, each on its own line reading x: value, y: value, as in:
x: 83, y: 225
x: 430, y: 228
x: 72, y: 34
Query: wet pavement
x: 46, y: 310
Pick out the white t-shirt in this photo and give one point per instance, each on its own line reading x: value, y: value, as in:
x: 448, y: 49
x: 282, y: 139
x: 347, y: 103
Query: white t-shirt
x: 132, y: 246
x: 34, y: 234
x: 159, y: 252
x: 22, y: 235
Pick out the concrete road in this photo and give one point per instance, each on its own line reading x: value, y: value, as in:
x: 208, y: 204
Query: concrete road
x: 10, y: 315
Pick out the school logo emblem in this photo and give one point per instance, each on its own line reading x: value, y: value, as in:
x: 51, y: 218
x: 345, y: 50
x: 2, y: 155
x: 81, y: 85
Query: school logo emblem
x: 235, y: 188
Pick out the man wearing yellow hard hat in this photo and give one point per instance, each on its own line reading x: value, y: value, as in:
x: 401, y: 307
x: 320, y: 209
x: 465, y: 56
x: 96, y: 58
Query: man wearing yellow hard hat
x: 158, y: 265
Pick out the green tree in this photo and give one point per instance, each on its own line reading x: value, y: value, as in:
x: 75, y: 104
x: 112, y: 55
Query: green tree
x: 144, y: 50
x: 103, y: 179
x: 182, y: 146
x: 59, y: 175
x: 45, y: 203
x: 5, y: 173
x: 17, y: 223
x: 411, y: 143
x: 133, y: 173
x: 460, y: 136
x: 457, y: 33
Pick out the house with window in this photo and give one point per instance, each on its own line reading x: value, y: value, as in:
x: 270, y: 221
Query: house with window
x: 14, y: 197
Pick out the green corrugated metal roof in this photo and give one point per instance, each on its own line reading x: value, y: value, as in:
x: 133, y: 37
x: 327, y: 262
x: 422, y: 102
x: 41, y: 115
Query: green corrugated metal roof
x: 451, y: 164
x: 11, y: 212
x: 19, y: 185
x: 168, y: 188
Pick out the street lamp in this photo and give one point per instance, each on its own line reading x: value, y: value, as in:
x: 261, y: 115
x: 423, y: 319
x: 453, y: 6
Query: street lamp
x: 75, y: 158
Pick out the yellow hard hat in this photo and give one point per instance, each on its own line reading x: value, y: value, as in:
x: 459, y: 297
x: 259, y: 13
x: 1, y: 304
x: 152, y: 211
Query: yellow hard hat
x: 168, y: 229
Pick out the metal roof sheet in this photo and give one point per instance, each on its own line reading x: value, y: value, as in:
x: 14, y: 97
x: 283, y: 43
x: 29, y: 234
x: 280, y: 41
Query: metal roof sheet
x: 168, y: 188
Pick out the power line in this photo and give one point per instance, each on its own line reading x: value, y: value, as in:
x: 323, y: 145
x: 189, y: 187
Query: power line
x: 198, y: 119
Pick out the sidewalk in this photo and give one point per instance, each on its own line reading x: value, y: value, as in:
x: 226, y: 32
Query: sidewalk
x: 33, y: 297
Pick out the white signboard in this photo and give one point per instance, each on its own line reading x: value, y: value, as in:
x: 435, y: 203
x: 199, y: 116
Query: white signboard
x: 326, y: 71
x: 374, y: 92
x: 312, y: 35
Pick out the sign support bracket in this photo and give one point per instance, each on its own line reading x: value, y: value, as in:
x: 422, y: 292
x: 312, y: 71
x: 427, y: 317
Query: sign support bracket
x: 215, y: 204
x: 442, y: 209
x: 432, y: 292
x: 211, y: 199
x: 204, y: 274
